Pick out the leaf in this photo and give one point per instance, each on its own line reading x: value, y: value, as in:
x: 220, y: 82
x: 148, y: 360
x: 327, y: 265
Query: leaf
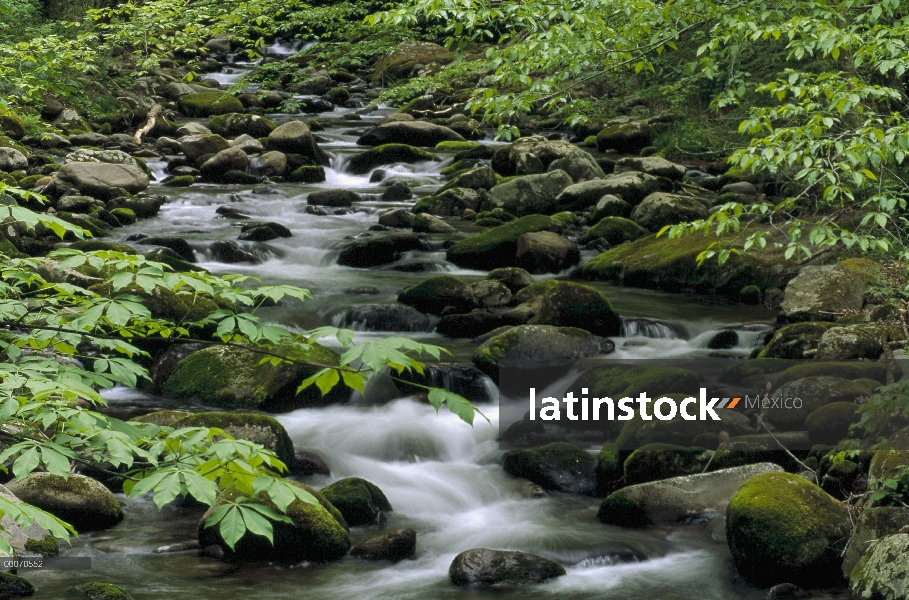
x: 232, y: 526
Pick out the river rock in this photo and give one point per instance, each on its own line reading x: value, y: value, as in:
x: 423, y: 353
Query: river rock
x: 679, y: 498
x: 253, y: 427
x: 864, y: 340
x: 882, y: 573
x: 114, y: 157
x: 31, y: 541
x: 229, y: 376
x: 653, y: 462
x: 216, y: 167
x: 559, y: 466
x: 625, y: 136
x: 334, y: 198
x: 815, y: 392
x: 546, y: 252
x: 492, y: 568
x: 782, y: 528
x: 263, y: 232
x: 490, y: 293
x: 394, y: 546
x: 514, y: 278
x: 822, y: 293
x: 207, y: 104
x: 568, y: 304
x: 399, y: 218
x: 318, y: 533
x: 387, y: 154
x: 481, y: 178
x: 615, y: 230
x: 236, y: 124
x: 651, y: 165
x: 80, y: 501
x: 412, y: 133
x: 793, y: 341
x: 660, y: 209
x: 89, y: 139
x: 579, y: 196
x: 873, y: 523
x: 610, y: 206
x: 424, y: 223
x: 192, y: 128
x: 530, y: 194
x: 632, y: 186
x: 451, y: 202
x: 402, y: 61
x: 380, y: 317
x: 498, y: 246
x: 530, y: 155
x: 12, y: 160
x: 379, y: 250
x: 537, y: 343
x: 101, y: 180
x: 434, y: 294
x: 295, y: 137
x: 196, y: 146
x: 359, y: 501
x: 579, y: 165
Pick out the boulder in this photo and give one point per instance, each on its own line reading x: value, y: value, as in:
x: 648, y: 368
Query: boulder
x: 865, y: 340
x: 793, y: 341
x: 492, y: 568
x: 559, y: 466
x: 882, y: 573
x: 11, y: 125
x: 12, y: 160
x: 814, y: 392
x: 237, y: 124
x: 114, y: 157
x: 394, y: 546
x: 470, y: 325
x: 31, y: 541
x: 515, y: 279
x: 97, y: 590
x: 295, y: 137
x: 579, y: 165
x: 14, y: 586
x: 249, y: 145
x: 610, y: 206
x: 632, y: 186
x: 102, y: 180
x: 569, y: 304
x: 530, y: 194
x: 651, y: 165
x: 216, y: 167
x: 498, y: 246
x: 434, y: 294
x: 207, y: 104
x: 829, y: 424
x: 270, y: 163
x: 660, y: 209
x: 625, y: 136
x: 374, y: 251
x: 79, y: 500
x: 782, y: 528
x: 582, y: 195
x: 450, y: 203
x: 679, y: 498
x: 411, y: 133
x: 359, y: 501
x: 822, y: 293
x: 177, y: 89
x: 399, y: 218
x: 530, y: 155
x: 229, y: 376
x: 873, y: 523
x: 318, y: 532
x: 481, y: 178
x: 615, y: 230
x: 333, y: 198
x: 402, y: 61
x: 546, y: 252
x: 537, y: 343
x: 253, y: 427
x: 195, y: 146
x: 192, y: 128
x: 424, y: 223
x: 852, y: 370
x: 387, y: 154
x: 653, y: 462
x: 490, y: 293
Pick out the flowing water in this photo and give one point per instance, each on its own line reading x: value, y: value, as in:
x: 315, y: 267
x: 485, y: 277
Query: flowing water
x: 443, y: 478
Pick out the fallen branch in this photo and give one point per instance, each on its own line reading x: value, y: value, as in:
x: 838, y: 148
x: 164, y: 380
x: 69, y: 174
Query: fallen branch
x: 154, y: 112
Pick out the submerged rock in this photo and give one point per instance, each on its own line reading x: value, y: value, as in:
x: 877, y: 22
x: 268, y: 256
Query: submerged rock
x: 394, y: 546
x: 494, y: 568
x: 559, y: 466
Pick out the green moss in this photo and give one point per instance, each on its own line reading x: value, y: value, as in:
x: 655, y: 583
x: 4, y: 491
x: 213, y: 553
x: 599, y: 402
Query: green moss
x: 12, y: 585
x: 662, y: 461
x: 179, y: 181
x: 590, y: 141
x: 164, y: 303
x: 11, y: 124
x: 558, y: 466
x: 434, y: 294
x: 234, y: 124
x: 740, y: 371
x: 163, y: 418
x: 448, y: 203
x: 337, y: 95
x: 792, y: 341
x: 306, y: 174
x: 498, y: 246
x: 358, y: 500
x: 28, y: 182
x: 494, y: 349
x: 566, y: 219
x: 620, y: 381
x: 102, y: 591
x: 615, y: 230
x: 609, y: 469
x: 207, y: 104
x: 865, y: 268
x: 387, y: 154
x: 453, y: 146
x: 618, y: 509
x: 126, y: 216
x: 48, y: 546
x: 253, y: 427
x: 845, y: 370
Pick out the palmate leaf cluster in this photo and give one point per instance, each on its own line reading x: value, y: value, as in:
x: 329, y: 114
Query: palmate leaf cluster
x: 61, y: 343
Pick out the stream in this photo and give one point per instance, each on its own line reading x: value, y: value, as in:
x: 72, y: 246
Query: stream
x: 443, y: 478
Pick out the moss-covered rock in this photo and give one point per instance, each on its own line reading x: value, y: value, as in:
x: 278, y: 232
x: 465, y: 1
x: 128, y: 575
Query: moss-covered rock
x: 873, y: 523
x: 793, y: 341
x: 253, y: 427
x: 498, y: 246
x: 434, y: 294
x: 530, y: 155
x: 829, y: 424
x: 660, y: 209
x: 886, y: 465
x: 456, y: 146
x: 96, y: 590
x: 822, y: 293
x: 402, y: 61
x: 424, y: 223
x: 782, y: 528
x: 615, y: 230
x: 393, y: 546
x: 162, y: 418
x: 609, y: 469
x: 387, y: 154
x: 493, y: 568
x: 625, y: 136
x: 165, y: 303
x: 228, y: 376
x: 530, y: 194
x: 814, y: 393
x: 559, y: 466
x: 318, y: 532
x: 846, y: 370
x: 662, y: 461
x: 882, y: 573
x: 125, y: 216
x: 207, y: 104
x: 620, y: 381
x: 378, y: 250
x: 358, y: 500
x: 863, y: 340
x: 680, y: 432
x: 80, y: 501
x: 14, y: 586
x: 235, y: 124
x: 569, y: 304
x: 450, y: 202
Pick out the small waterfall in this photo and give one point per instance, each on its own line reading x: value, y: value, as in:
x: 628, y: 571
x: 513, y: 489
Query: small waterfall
x: 283, y: 48
x: 377, y: 317
x: 652, y: 329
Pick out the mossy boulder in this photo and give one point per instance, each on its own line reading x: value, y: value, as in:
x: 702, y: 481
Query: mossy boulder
x: 559, y: 466
x: 434, y: 294
x: 412, y: 133
x: 207, y: 104
x: 793, y: 341
x: 823, y: 293
x: 882, y: 573
x: 615, y: 230
x: 402, y: 61
x: 872, y: 524
x: 456, y: 146
x: 32, y: 540
x: 782, y: 528
x: 479, y: 178
x: 387, y: 154
x: 660, y: 209
x: 80, y: 501
x: 125, y: 216
x: 162, y: 418
x: 570, y: 304
x: 424, y: 223
x: 232, y: 125
x: 625, y: 136
x: 494, y: 568
x: 497, y: 247
x: 863, y: 340
x: 619, y: 381
x: 295, y: 137
x: 846, y: 370
x: 12, y: 125
x: 815, y: 393
x: 886, y: 465
x: 393, y: 546
x: 253, y: 427
x: 609, y: 469
x: 359, y: 501
x: 638, y: 432
x: 318, y: 532
x: 450, y: 202
x: 378, y: 250
x: 165, y: 303
x: 96, y: 590
x: 662, y: 461
x: 530, y: 155
x: 829, y: 424
x: 671, y: 264
x: 530, y: 194
x: 14, y: 586
x: 514, y: 278
x: 229, y: 376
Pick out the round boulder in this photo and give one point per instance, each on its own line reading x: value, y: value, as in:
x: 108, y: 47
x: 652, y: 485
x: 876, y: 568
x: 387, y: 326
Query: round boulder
x: 546, y: 252
x: 492, y: 568
x: 80, y: 501
x: 559, y: 466
x: 660, y: 209
x: 359, y: 501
